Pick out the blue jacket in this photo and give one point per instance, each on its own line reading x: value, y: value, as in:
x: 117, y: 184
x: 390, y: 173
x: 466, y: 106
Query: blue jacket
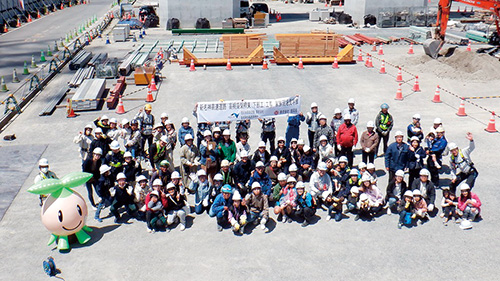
x: 201, y: 190
x: 219, y: 204
x: 264, y: 180
x: 294, y: 121
x: 396, y: 159
x: 183, y: 132
x: 307, y: 202
x: 439, y: 145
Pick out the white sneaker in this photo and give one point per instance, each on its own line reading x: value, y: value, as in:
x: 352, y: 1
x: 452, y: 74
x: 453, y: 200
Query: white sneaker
x: 389, y: 212
x: 328, y: 217
x: 149, y: 230
x: 182, y: 227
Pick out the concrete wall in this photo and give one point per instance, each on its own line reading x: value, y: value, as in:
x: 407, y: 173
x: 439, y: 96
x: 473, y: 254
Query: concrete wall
x: 188, y: 11
x: 359, y: 8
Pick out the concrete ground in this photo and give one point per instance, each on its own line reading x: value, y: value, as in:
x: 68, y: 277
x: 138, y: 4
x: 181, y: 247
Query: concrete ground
x: 349, y: 250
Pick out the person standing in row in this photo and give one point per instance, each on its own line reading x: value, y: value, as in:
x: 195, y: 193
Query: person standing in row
x: 369, y: 143
x: 268, y: 132
x: 397, y: 156
x: 293, y: 129
x: 352, y: 111
x: 384, y: 124
x: 347, y: 138
x: 312, y: 122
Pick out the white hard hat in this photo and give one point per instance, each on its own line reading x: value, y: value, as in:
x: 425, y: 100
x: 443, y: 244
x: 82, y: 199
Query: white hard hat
x: 170, y: 186
x: 464, y: 186
x: 400, y: 173
x: 416, y: 116
x: 113, y: 120
x: 259, y: 164
x: 452, y: 146
x: 98, y: 130
x: 226, y: 132
x: 121, y: 176
x: 124, y: 121
x: 414, y: 138
x: 347, y: 116
x: 43, y: 162
x: 169, y: 122
x: 185, y: 120
x: 97, y: 150
x: 88, y: 126
x: 351, y: 100
x: 437, y: 121
x: 361, y: 165
x: 281, y: 177
x: 224, y: 163
x: 164, y: 139
x: 300, y: 142
x: 207, y: 133
x: 293, y: 140
x: 216, y: 129
x: 354, y: 189
x: 398, y: 133
x: 314, y: 105
x: 114, y: 145
x: 417, y: 192
x: 157, y: 182
x: 366, y: 177
x: 291, y: 179
x: 164, y: 115
x: 155, y: 193
x: 322, y: 116
x: 262, y: 144
x: 127, y: 154
x: 256, y: 184
x: 104, y: 168
x: 218, y: 177
x: 104, y: 117
x: 243, y: 153
x: 424, y: 172
x: 370, y: 124
x: 274, y: 158
x: 236, y: 196
x: 188, y: 137
x: 281, y: 138
x: 363, y: 197
x: 201, y: 173
x: 307, y: 148
x: 440, y: 129
x: 141, y: 178
x: 370, y: 166
x: 353, y: 172
x: 337, y: 111
x: 175, y: 175
x: 322, y: 166
x: 158, y: 125
x: 293, y: 168
x: 408, y: 193
x: 323, y: 138
x: 300, y: 185
x: 343, y: 159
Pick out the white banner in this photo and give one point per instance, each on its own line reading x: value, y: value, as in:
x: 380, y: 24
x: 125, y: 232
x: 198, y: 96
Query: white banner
x: 247, y: 109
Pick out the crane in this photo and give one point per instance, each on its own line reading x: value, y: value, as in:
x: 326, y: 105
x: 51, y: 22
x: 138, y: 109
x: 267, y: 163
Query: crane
x: 434, y: 45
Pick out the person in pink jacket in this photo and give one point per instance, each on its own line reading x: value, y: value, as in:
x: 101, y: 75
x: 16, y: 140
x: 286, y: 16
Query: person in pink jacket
x: 468, y: 203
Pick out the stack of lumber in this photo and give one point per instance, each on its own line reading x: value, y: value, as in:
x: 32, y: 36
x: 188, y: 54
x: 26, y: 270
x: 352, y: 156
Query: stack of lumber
x: 308, y: 44
x: 241, y: 45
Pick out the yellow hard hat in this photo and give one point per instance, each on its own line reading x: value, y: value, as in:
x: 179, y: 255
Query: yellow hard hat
x: 148, y: 107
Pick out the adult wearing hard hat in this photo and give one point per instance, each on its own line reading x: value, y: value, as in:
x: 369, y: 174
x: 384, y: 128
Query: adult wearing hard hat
x: 43, y: 174
x: 436, y: 151
x: 242, y: 145
x: 202, y: 128
x: 201, y: 188
x: 162, y: 173
x: 237, y: 214
x: 261, y: 154
x: 369, y: 143
x: 100, y: 141
x: 320, y: 183
x: 114, y: 158
x: 396, y: 156
x: 312, y: 122
x: 141, y: 191
x: 426, y: 188
x: 184, y: 130
x: 268, y: 132
x: 242, y: 128
x: 352, y: 111
x: 468, y: 203
x: 103, y: 123
x: 176, y: 207
x: 220, y: 207
x: 158, y: 132
x: 462, y: 167
x: 123, y: 196
x: 208, y: 155
x: 131, y: 168
x: 154, y: 214
x: 105, y: 183
x: 286, y: 202
x: 158, y: 152
x: 395, y: 191
x: 242, y: 172
x: 257, y: 206
x: 92, y: 165
x: 347, y: 138
x: 415, y: 160
x: 190, y: 159
x: 383, y: 125
x: 375, y: 197
x: 146, y: 122
x: 306, y: 208
x: 226, y: 148
x: 172, y: 141
x: 113, y: 132
x: 436, y: 124
x: 337, y: 120
x: 133, y: 140
x: 283, y: 155
x: 323, y: 130
x: 259, y: 175
x: 83, y: 140
x: 415, y: 129
x: 293, y: 128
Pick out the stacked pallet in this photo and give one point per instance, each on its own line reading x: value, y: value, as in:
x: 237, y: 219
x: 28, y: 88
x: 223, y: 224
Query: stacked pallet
x: 308, y: 45
x: 241, y: 45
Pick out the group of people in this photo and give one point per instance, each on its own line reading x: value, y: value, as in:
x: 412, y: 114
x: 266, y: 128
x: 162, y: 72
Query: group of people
x: 133, y: 168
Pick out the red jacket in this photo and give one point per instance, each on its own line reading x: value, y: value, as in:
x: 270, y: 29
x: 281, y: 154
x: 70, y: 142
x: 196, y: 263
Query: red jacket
x: 163, y: 199
x: 473, y: 196
x: 347, y: 136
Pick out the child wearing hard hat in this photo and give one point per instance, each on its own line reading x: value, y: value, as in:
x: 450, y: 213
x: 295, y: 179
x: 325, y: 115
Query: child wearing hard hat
x: 420, y: 211
x: 105, y: 183
x: 154, y: 215
x: 221, y: 205
x: 306, y: 207
x: 406, y: 208
x: 141, y: 190
x: 286, y: 203
x: 449, y: 204
x: 176, y: 207
x: 237, y: 214
x: 257, y: 206
x: 201, y: 188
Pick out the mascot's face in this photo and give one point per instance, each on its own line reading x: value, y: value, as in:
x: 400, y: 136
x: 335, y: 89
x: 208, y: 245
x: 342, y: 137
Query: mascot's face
x: 64, y: 215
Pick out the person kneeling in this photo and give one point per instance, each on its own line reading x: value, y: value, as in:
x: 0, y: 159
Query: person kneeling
x: 237, y: 214
x: 305, y: 204
x: 406, y: 209
x: 258, y: 206
x: 220, y: 207
x: 286, y: 203
x: 154, y: 213
x: 420, y: 211
x: 176, y: 207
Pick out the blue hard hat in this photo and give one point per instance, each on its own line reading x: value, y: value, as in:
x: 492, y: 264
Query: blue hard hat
x: 384, y: 106
x: 227, y: 189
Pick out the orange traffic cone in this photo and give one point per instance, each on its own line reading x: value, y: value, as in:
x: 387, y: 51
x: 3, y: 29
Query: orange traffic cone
x: 264, y: 65
x: 374, y: 47
x: 228, y: 65
x: 370, y: 62
x: 301, y: 64
x: 399, y: 77
x: 71, y: 112
x: 340, y: 4
x: 491, y: 125
x: 461, y: 108
x: 382, y: 68
x: 120, y: 109
x: 410, y: 51
x: 399, y: 93
x: 437, y: 96
x: 29, y: 18
x: 367, y: 61
x: 191, y: 66
x: 5, y: 28
x: 335, y: 64
x: 152, y: 85
x: 469, y: 49
x: 18, y: 23
x: 62, y: 6
x: 416, y: 86
x: 149, y: 97
x: 360, y: 55
x: 380, y: 50
x: 38, y: 15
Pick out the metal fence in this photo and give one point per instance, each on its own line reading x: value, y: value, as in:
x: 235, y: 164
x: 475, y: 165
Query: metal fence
x: 408, y: 16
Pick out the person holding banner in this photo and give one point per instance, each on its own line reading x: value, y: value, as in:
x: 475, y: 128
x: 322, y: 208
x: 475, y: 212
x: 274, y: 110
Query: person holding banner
x: 293, y: 129
x: 227, y: 148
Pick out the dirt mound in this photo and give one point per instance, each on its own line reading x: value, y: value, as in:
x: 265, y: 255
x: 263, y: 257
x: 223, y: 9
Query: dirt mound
x: 461, y: 65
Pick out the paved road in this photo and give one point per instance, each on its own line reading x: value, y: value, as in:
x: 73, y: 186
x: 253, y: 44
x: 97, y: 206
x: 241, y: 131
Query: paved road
x: 20, y: 44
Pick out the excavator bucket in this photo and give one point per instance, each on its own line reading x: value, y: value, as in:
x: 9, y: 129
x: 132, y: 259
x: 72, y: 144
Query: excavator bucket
x: 432, y: 47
